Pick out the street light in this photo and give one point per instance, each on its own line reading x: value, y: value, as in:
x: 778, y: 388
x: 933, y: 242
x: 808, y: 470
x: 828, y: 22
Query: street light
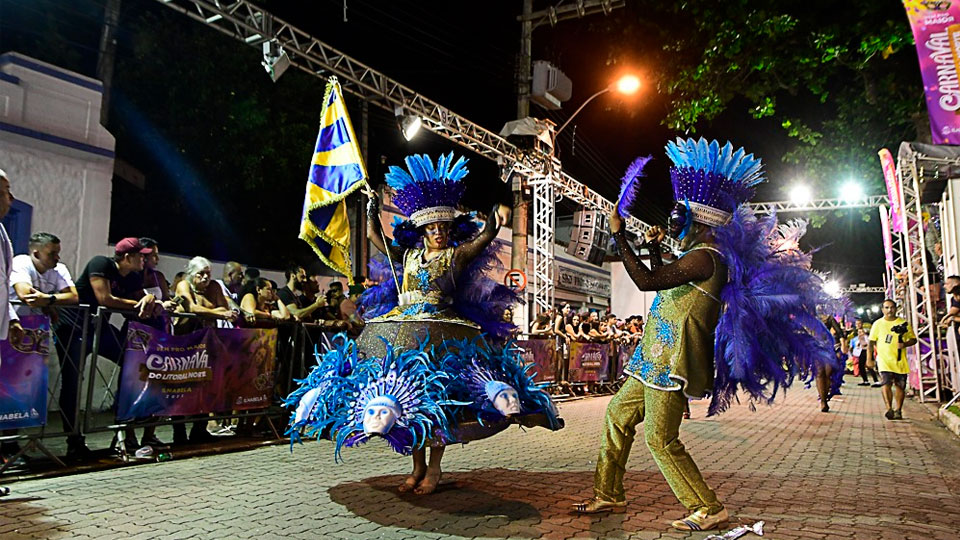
x: 800, y: 194
x: 851, y: 192
x: 627, y: 84
x: 832, y: 288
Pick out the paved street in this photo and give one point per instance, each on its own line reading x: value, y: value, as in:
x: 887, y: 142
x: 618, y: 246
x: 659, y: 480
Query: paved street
x: 846, y: 474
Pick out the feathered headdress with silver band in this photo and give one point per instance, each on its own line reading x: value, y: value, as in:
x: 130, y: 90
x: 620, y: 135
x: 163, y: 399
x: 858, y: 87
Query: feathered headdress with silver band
x: 712, y: 181
x: 427, y: 193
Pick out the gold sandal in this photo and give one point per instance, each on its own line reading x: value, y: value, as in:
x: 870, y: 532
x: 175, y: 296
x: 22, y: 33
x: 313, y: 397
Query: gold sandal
x: 701, y: 521
x: 595, y: 506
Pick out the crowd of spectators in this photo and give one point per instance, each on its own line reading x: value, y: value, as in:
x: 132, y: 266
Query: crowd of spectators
x: 131, y: 282
x: 590, y: 326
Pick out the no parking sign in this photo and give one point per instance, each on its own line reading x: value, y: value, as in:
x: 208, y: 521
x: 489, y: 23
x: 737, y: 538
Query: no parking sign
x: 515, y: 279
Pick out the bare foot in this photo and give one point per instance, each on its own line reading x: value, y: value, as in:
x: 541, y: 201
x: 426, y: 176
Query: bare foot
x: 411, y: 481
x: 429, y: 483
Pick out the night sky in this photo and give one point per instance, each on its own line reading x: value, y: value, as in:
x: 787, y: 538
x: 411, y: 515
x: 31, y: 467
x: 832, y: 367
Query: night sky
x: 462, y: 55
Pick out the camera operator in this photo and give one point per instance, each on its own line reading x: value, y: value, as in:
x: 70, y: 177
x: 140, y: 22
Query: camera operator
x: 889, y: 336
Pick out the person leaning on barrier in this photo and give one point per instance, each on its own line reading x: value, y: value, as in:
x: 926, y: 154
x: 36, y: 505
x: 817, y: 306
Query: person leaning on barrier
x: 116, y: 283
x: 293, y: 294
x: 154, y: 282
x: 543, y: 324
x: 9, y: 322
x: 232, y: 282
x: 43, y: 283
x: 201, y: 297
x: 260, y: 306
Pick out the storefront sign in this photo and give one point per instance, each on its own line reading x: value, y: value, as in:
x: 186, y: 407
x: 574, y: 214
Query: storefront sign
x: 574, y: 280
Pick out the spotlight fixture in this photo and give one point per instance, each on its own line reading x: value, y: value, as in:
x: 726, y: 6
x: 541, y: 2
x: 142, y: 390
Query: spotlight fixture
x: 275, y: 59
x: 409, y: 124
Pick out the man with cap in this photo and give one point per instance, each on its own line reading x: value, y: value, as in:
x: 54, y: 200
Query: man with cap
x: 116, y: 283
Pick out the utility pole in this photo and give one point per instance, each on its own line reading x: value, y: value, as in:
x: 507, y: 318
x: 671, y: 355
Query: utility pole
x: 107, y: 55
x: 529, y: 21
x: 518, y: 256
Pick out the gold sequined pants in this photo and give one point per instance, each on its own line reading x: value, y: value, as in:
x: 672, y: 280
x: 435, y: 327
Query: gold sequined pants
x: 663, y: 412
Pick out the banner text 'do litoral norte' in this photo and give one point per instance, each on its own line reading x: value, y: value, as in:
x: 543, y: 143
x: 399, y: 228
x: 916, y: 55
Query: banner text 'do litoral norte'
x: 210, y: 370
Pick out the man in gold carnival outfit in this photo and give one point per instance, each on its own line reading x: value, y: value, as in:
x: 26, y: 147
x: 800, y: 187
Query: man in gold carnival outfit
x: 674, y: 360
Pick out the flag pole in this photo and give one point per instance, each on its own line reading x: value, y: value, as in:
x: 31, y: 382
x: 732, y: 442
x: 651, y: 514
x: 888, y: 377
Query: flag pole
x: 383, y: 237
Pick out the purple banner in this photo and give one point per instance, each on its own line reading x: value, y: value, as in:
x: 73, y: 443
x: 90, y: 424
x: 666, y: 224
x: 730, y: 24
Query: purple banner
x: 210, y: 370
x: 589, y: 362
x: 937, y: 34
x: 23, y: 376
x: 624, y: 353
x: 542, y: 354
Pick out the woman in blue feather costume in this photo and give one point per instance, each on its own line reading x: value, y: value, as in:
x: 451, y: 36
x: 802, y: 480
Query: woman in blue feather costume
x: 733, y: 313
x: 424, y: 375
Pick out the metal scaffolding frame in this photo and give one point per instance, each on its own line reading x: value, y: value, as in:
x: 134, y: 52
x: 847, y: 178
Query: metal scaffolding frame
x: 949, y: 240
x: 816, y: 204
x: 252, y: 25
x: 919, y: 167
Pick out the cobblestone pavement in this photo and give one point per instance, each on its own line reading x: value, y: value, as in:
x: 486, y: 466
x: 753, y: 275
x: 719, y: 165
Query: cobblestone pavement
x: 847, y: 474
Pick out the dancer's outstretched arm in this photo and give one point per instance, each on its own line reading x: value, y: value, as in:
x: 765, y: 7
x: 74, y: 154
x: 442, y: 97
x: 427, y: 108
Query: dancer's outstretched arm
x: 696, y: 265
x: 375, y: 231
x: 469, y: 251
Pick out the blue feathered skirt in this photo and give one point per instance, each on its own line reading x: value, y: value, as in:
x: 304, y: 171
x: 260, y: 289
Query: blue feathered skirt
x: 444, y: 377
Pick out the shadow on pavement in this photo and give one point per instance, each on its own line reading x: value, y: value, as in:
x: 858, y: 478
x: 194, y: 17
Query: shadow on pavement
x: 30, y: 520
x: 493, y: 503
x: 502, y: 503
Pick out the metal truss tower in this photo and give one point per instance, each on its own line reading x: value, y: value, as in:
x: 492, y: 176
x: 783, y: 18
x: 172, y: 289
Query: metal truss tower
x: 252, y: 25
x: 915, y: 299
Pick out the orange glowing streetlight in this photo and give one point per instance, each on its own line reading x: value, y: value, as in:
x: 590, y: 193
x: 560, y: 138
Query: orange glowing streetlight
x: 627, y: 84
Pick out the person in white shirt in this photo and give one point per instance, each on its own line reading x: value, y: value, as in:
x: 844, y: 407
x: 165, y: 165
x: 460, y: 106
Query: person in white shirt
x: 42, y: 283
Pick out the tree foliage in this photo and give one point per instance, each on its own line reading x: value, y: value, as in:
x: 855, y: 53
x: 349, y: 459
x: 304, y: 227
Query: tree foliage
x: 840, y: 78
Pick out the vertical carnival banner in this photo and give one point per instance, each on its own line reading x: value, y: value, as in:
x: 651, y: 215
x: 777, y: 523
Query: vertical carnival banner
x: 589, y: 362
x: 542, y: 354
x: 887, y: 238
x: 936, y: 30
x: 23, y: 376
x: 892, y: 182
x: 210, y: 370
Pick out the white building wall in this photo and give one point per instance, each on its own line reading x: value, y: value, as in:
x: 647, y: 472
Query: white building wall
x: 57, y: 155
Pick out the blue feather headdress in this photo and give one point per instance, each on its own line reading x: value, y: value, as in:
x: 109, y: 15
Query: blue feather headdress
x: 630, y: 185
x: 426, y: 193
x: 711, y: 180
x: 479, y: 369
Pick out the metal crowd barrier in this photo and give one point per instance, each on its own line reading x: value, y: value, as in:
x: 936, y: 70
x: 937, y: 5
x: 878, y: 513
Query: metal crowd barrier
x: 69, y: 323
x: 578, y: 367
x: 92, y: 379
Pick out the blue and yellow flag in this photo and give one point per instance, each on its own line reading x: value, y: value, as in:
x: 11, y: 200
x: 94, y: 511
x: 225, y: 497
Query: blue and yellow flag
x: 336, y: 171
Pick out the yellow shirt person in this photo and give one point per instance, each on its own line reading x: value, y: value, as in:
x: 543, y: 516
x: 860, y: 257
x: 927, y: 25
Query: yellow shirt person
x: 887, y: 345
